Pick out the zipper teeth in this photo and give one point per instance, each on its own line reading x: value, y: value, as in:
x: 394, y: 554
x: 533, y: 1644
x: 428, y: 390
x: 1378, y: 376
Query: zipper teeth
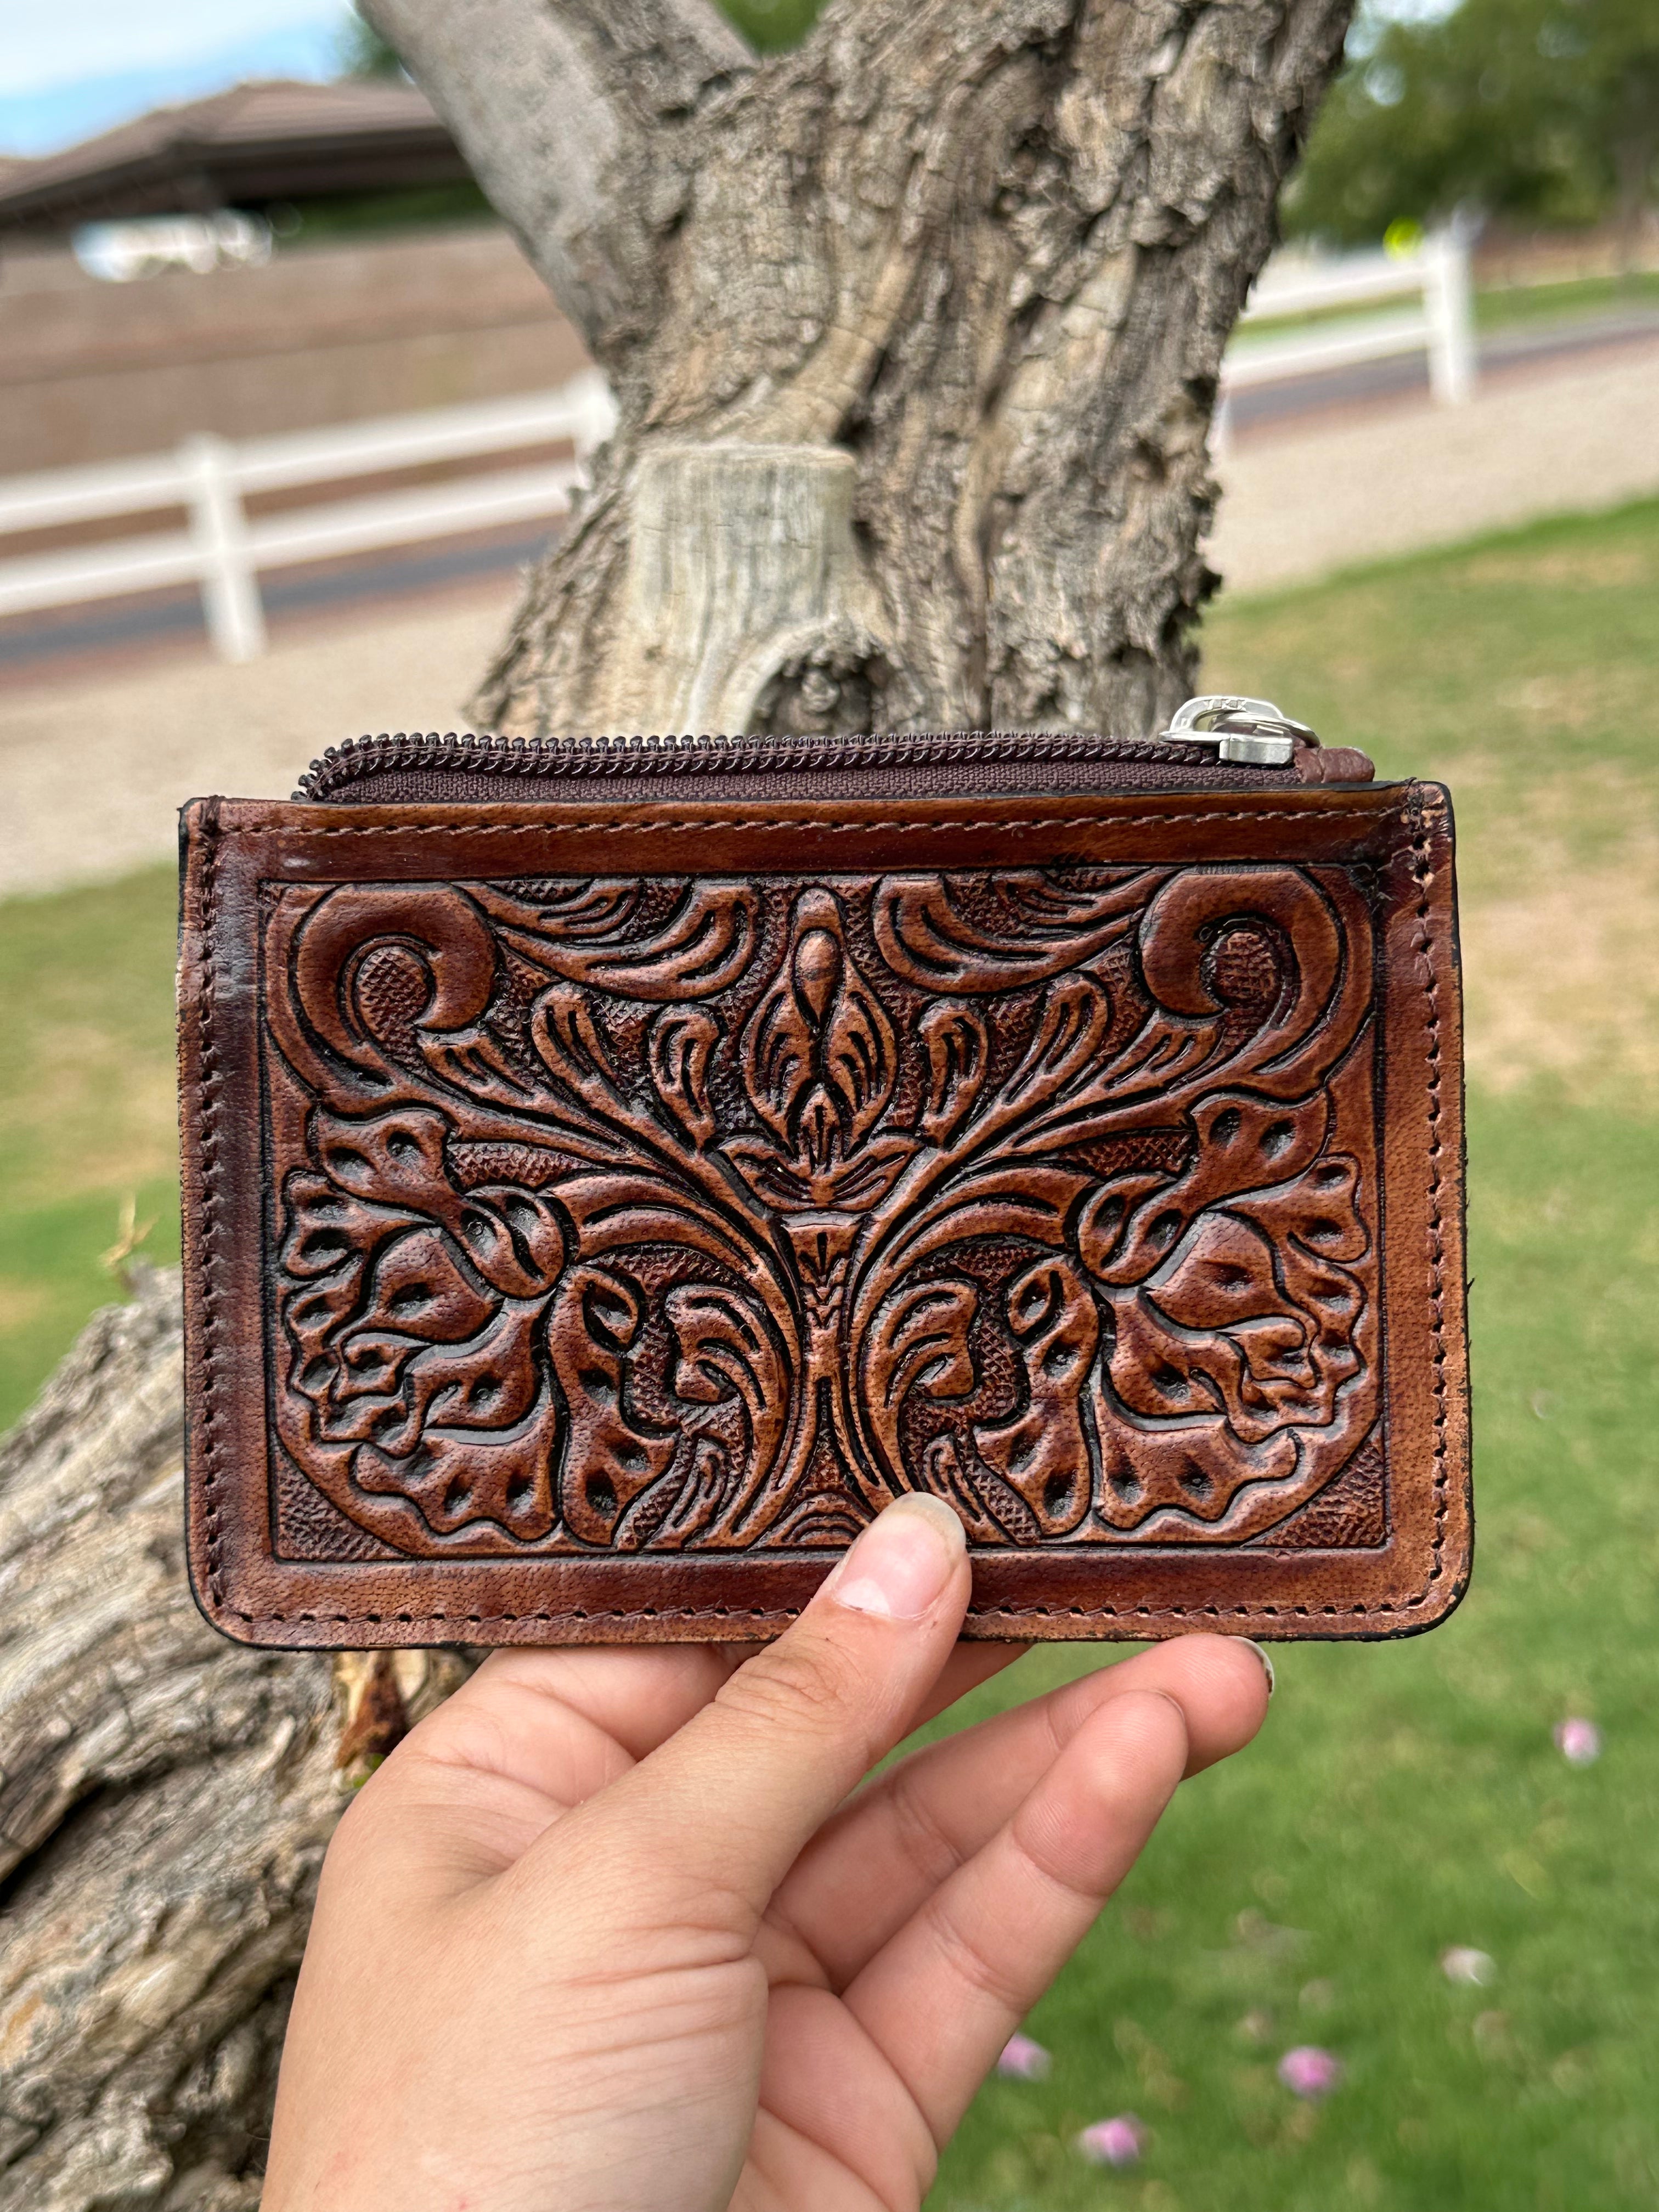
x: 684, y: 756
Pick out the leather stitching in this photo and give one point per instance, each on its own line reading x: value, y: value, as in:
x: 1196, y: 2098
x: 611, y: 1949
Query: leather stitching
x: 701, y: 827
x: 213, y: 832
x: 1436, y: 1220
x: 210, y: 1208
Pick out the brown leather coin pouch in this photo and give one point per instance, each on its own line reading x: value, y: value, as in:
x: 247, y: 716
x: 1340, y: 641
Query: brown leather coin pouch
x: 614, y: 1169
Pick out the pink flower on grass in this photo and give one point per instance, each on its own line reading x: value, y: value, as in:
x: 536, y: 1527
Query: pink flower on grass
x: 1308, y: 2071
x: 1116, y: 2142
x: 1578, y: 1741
x: 1021, y: 2060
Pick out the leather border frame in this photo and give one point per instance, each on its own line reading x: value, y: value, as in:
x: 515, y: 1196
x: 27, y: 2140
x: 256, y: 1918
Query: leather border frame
x: 1403, y: 831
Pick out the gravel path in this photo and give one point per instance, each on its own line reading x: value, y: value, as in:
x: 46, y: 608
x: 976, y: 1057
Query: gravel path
x: 92, y: 771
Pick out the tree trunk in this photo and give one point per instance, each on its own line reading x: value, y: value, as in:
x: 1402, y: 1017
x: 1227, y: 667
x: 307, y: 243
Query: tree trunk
x: 992, y: 255
x: 165, y: 1799
x: 915, y: 334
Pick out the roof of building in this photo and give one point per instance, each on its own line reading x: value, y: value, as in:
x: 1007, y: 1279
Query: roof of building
x: 250, y: 146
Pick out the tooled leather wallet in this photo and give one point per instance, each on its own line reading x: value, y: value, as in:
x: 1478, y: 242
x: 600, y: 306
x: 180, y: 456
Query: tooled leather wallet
x: 615, y: 1168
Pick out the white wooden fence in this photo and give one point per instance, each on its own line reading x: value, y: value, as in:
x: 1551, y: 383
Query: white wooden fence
x: 223, y: 549
x: 1440, y: 324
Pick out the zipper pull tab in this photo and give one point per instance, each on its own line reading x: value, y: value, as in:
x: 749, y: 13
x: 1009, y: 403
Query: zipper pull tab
x: 1250, y: 733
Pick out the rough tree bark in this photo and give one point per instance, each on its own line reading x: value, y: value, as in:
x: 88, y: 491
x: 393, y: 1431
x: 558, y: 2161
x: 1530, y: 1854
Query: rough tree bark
x: 915, y: 334
x: 165, y: 1799
x: 991, y: 253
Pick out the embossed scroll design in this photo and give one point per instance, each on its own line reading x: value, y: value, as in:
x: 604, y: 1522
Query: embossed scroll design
x: 663, y: 1212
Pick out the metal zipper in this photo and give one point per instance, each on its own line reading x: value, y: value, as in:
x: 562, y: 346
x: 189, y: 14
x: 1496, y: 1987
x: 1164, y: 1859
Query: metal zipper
x: 1219, y: 729
x: 1250, y: 732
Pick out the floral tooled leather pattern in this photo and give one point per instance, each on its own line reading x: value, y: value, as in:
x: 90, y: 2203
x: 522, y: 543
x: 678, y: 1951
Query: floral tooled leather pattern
x: 664, y: 1212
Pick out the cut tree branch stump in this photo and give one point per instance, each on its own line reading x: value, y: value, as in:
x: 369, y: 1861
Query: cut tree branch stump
x: 742, y: 573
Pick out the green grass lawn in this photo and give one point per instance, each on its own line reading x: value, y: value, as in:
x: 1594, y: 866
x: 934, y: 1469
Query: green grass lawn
x: 86, y: 1115
x: 1497, y: 307
x: 1500, y: 307
x: 1406, y: 1798
x: 1402, y: 1798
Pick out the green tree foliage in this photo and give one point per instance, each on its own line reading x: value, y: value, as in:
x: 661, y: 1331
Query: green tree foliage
x: 1533, y: 110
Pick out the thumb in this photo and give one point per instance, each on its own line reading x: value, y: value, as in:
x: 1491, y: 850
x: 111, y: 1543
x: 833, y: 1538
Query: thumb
x: 722, y: 1809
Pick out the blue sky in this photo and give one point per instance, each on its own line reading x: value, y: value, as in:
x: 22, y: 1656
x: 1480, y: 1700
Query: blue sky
x: 68, y: 71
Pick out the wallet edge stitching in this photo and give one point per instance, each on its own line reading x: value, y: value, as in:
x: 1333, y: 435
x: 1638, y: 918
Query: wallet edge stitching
x: 212, y: 833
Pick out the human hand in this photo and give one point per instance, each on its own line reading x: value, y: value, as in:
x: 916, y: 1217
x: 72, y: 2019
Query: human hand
x: 603, y: 1933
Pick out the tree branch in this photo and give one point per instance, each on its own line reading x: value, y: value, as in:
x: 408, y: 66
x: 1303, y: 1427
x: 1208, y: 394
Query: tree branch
x: 573, y: 114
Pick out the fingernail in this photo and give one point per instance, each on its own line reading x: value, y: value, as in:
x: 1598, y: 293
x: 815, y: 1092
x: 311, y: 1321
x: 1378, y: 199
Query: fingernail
x: 900, y: 1565
x: 1261, y: 1654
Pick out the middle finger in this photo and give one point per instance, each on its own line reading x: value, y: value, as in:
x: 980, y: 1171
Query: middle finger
x: 868, y: 1867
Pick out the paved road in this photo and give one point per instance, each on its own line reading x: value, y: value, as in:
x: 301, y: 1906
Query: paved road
x: 1295, y: 399
x: 31, y: 645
